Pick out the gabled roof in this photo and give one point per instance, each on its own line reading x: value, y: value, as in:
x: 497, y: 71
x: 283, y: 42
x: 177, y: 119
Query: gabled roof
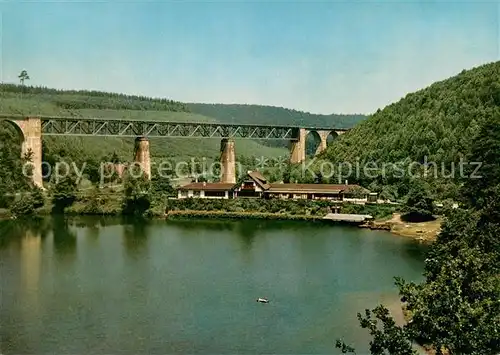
x: 259, y: 179
x: 207, y: 186
x: 257, y: 175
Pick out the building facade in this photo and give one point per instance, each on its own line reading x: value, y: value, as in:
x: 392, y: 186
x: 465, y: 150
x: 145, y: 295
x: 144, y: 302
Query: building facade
x: 206, y: 190
x: 255, y: 185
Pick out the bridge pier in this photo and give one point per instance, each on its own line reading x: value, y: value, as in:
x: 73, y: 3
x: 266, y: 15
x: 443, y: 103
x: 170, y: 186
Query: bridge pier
x: 228, y: 161
x: 141, y: 155
x: 30, y: 129
x: 323, y: 136
x: 298, y: 147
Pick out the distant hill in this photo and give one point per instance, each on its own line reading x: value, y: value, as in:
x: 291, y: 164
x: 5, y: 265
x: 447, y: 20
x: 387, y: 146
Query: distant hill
x: 26, y: 100
x: 439, y: 122
x: 235, y: 113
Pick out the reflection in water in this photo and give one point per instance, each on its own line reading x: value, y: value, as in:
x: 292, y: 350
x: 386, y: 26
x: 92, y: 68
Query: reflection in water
x: 25, y: 238
x: 14, y: 230
x: 232, y: 225
x: 190, y: 286
x: 415, y: 250
x: 135, y: 236
x: 30, y: 255
x: 202, y: 224
x: 91, y: 224
x: 64, y: 238
x: 247, y: 232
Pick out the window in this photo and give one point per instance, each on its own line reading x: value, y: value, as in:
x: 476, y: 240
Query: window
x: 215, y: 193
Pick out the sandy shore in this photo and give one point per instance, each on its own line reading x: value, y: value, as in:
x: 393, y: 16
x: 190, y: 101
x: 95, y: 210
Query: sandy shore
x: 423, y: 231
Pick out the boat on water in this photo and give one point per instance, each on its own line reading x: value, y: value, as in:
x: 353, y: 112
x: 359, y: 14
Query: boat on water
x: 262, y: 300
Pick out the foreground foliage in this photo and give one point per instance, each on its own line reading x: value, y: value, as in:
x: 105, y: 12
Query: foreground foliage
x: 456, y: 310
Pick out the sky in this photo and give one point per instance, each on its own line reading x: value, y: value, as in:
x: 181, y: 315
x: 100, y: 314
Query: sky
x: 318, y: 56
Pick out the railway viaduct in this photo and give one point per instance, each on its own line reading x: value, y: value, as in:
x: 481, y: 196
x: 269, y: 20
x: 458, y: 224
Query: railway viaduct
x: 32, y: 129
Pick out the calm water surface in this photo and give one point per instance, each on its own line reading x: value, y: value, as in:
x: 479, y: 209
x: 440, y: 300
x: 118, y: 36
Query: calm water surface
x: 100, y: 285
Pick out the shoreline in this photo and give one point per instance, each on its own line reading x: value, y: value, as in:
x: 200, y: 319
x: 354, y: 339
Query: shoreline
x: 424, y: 232
x: 186, y: 214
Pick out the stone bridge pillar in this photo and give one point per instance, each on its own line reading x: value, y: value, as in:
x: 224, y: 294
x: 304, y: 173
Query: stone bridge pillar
x: 227, y: 161
x: 298, y: 147
x: 323, y: 136
x: 31, y: 130
x: 141, y: 155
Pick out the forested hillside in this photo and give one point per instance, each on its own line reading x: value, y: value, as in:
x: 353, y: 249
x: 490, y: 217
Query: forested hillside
x: 236, y: 113
x: 25, y: 100
x: 437, y: 124
x: 40, y: 100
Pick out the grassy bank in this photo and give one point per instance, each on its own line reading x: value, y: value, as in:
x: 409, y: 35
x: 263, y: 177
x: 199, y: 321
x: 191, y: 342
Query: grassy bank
x: 110, y: 202
x: 240, y: 215
x: 316, y: 208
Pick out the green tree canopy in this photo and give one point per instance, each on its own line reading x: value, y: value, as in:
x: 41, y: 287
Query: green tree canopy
x: 419, y: 205
x: 63, y: 193
x: 485, y: 150
x: 23, y: 76
x: 137, y: 192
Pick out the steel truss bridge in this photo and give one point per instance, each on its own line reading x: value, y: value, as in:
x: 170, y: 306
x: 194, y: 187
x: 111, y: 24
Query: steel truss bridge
x: 71, y: 126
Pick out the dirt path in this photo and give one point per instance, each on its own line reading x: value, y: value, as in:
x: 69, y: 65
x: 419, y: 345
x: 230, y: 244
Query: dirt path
x: 423, y: 231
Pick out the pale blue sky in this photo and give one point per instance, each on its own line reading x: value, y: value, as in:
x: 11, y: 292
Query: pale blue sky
x: 324, y: 57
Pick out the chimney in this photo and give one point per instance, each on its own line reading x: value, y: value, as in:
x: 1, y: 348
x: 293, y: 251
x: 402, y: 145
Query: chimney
x: 204, y: 183
x: 346, y: 182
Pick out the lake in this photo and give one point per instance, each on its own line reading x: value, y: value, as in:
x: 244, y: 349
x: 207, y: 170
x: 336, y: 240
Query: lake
x: 92, y: 285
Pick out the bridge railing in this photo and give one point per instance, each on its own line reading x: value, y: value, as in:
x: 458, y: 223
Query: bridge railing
x: 82, y: 126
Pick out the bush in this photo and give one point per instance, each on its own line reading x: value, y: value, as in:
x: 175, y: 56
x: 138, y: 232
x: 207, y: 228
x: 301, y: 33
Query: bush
x: 286, y: 207
x: 25, y: 206
x: 64, y: 194
x: 419, y: 205
x: 38, y: 197
x: 137, y: 199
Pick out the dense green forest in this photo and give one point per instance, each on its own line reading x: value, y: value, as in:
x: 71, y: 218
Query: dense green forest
x: 438, y: 124
x: 38, y: 100
x: 235, y: 113
x: 456, y: 309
